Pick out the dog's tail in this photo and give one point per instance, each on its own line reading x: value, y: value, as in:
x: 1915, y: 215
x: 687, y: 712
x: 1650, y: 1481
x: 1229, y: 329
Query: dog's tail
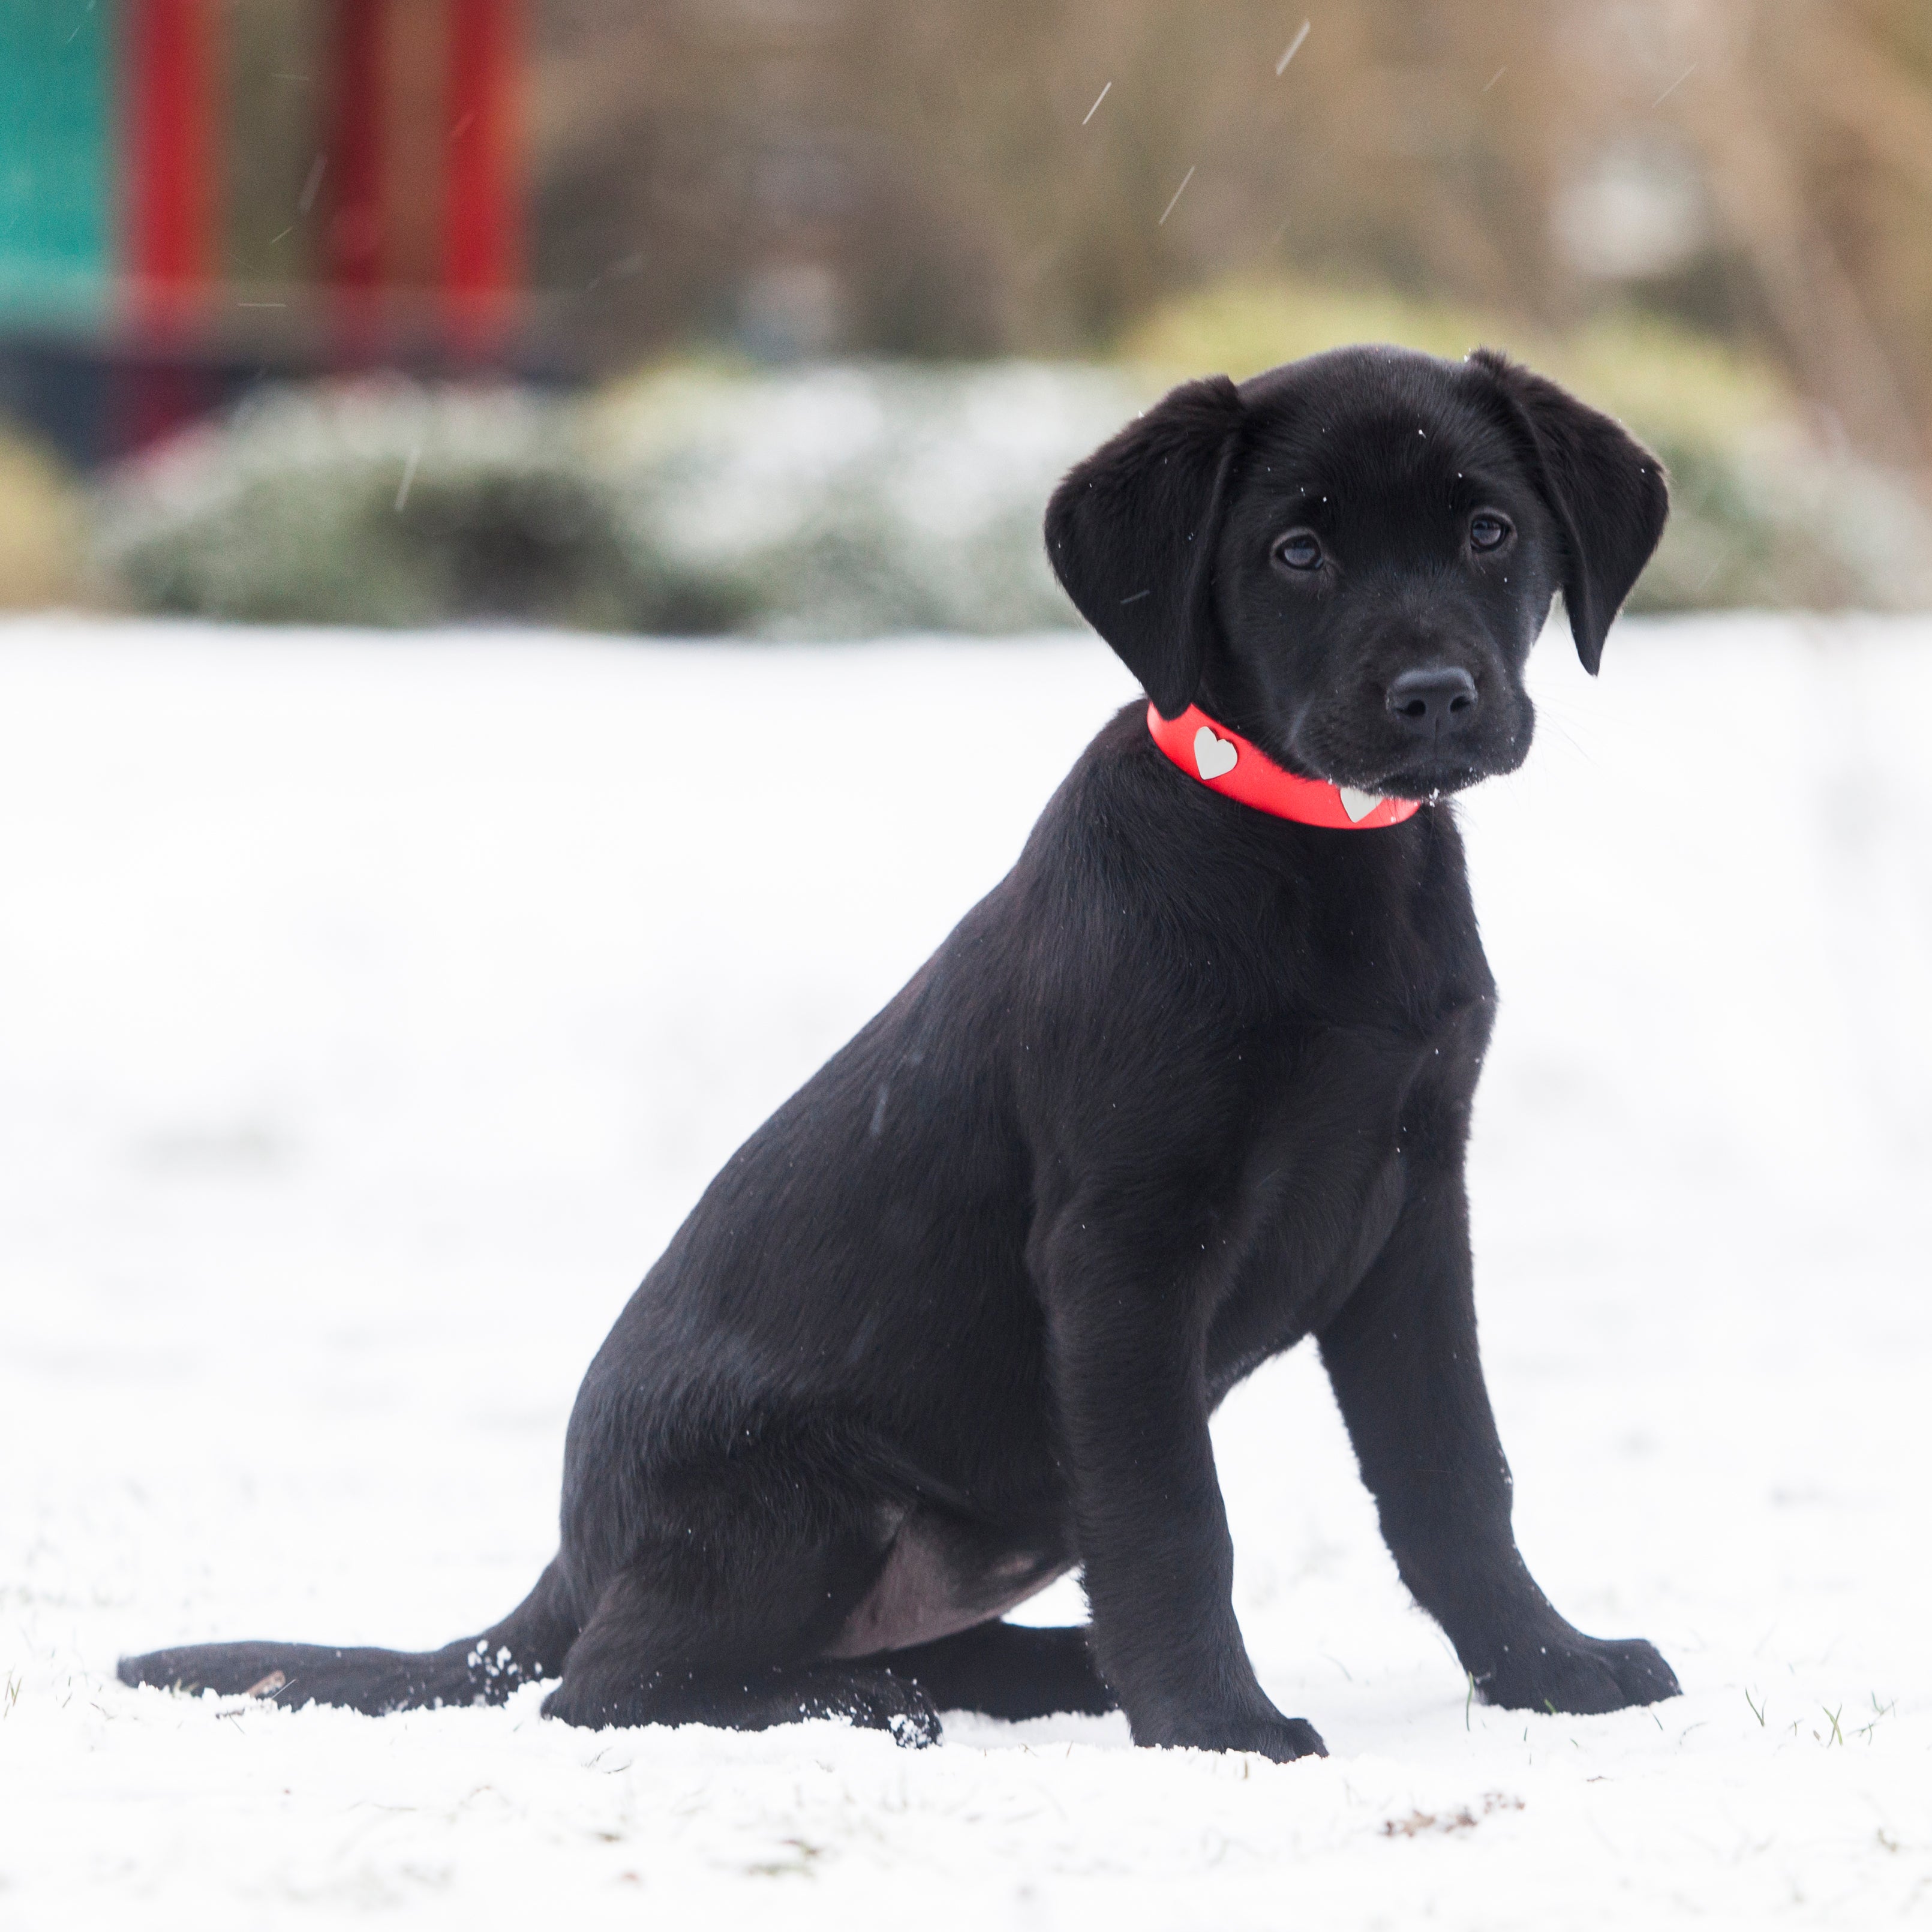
x: 529, y: 1644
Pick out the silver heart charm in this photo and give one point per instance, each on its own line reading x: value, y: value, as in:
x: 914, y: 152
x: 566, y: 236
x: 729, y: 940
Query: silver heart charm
x: 1357, y: 804
x: 1214, y: 756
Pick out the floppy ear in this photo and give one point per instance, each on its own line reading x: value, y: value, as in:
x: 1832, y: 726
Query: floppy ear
x: 1606, y: 490
x: 1131, y: 533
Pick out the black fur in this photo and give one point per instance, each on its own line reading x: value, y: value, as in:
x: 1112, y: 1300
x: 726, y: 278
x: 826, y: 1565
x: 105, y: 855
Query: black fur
x: 1190, y: 1085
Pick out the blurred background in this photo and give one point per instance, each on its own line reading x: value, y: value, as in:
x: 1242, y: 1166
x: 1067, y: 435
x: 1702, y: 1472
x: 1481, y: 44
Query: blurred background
x: 780, y: 316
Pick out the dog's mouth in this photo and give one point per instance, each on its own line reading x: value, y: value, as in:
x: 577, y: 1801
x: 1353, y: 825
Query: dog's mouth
x: 1438, y: 778
x: 1358, y: 753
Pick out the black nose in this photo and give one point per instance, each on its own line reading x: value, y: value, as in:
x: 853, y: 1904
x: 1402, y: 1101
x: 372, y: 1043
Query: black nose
x: 1433, y: 701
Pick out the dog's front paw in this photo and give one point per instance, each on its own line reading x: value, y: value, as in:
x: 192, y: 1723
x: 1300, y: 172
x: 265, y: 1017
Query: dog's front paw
x: 1283, y: 1739
x: 1567, y: 1671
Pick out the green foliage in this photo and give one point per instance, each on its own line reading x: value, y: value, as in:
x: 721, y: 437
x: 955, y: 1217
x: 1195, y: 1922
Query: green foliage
x: 41, y: 527
x: 1242, y: 326
x: 850, y: 499
x: 837, y: 501
x: 1763, y: 515
x: 386, y: 504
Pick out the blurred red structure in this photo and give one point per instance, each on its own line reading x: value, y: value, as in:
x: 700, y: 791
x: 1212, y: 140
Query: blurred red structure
x: 169, y: 114
x: 483, y: 252
x: 354, y: 244
x: 278, y: 188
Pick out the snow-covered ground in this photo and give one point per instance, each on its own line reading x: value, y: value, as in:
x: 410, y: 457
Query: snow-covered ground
x: 372, y: 1008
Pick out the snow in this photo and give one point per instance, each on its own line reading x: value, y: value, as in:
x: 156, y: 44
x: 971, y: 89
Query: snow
x: 375, y: 1006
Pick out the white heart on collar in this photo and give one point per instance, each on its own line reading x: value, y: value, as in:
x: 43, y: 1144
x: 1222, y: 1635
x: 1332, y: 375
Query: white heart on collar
x: 1214, y: 756
x: 1357, y: 804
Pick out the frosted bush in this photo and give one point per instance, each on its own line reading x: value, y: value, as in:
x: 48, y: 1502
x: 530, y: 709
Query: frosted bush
x: 850, y: 499
x: 856, y: 499
x: 832, y: 501
x: 381, y: 502
x: 1772, y: 521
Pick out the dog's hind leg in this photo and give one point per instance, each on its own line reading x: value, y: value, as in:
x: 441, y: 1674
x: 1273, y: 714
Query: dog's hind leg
x: 531, y: 1642
x: 1006, y: 1670
x: 744, y: 1651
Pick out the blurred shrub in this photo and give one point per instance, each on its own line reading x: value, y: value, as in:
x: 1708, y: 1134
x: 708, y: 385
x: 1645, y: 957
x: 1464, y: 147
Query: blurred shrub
x: 385, y: 503
x: 41, y: 526
x: 835, y: 501
x: 1763, y: 513
x: 848, y: 500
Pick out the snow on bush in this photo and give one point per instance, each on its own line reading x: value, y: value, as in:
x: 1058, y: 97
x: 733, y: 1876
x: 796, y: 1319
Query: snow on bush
x: 379, y: 503
x: 852, y: 499
x: 847, y: 500
x: 825, y: 502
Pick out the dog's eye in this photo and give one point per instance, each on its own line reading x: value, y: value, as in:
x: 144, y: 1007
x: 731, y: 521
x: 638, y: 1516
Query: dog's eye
x: 1299, y: 550
x: 1487, y: 532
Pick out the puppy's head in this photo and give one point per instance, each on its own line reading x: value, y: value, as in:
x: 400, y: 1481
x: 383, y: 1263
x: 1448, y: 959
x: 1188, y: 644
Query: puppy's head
x: 1347, y: 559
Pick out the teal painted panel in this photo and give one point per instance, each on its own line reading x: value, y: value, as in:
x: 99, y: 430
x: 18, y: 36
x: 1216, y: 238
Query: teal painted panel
x: 55, y: 157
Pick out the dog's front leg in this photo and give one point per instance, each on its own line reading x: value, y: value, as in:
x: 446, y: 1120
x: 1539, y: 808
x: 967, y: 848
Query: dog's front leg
x: 1126, y: 1329
x: 1402, y: 1356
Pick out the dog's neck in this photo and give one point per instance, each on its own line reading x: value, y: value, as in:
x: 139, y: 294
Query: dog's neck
x: 1224, y: 761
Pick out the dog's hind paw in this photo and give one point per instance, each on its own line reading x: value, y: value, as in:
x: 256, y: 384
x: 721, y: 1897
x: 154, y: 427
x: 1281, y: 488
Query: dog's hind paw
x: 867, y: 1699
x: 871, y: 1700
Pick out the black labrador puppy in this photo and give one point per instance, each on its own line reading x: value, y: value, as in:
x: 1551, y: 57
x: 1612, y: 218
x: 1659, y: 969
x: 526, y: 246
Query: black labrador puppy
x: 1192, y: 1083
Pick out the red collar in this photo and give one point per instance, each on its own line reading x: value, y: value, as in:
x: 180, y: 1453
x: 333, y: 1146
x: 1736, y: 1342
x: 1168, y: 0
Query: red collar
x: 1224, y: 761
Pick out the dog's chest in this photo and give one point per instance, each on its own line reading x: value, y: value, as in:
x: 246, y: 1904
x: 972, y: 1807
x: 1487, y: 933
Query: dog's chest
x: 1322, y: 1182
